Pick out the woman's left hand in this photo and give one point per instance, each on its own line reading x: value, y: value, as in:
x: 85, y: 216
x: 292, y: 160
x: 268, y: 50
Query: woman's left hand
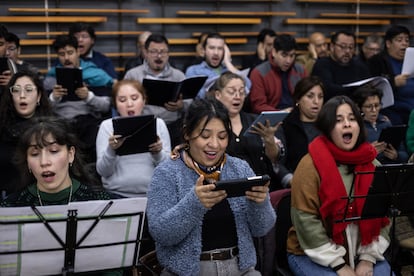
x: 258, y: 194
x: 156, y: 147
x: 390, y: 152
x: 364, y: 268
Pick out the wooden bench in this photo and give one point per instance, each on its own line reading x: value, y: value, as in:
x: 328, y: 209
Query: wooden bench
x: 164, y: 20
x: 366, y: 15
x: 98, y: 33
x: 238, y: 13
x: 52, y: 19
x: 367, y: 2
x: 171, y: 41
x: 131, y: 54
x: 324, y: 21
x: 232, y: 34
x: 65, y: 10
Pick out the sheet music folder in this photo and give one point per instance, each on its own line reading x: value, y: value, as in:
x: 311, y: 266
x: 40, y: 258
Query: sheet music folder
x: 71, y: 79
x: 391, y: 187
x: 138, y: 131
x: 160, y: 92
x: 93, y: 236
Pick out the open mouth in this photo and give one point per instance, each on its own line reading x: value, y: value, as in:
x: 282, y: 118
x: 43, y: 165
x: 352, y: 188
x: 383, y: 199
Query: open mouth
x: 48, y: 176
x: 347, y: 137
x: 131, y: 113
x: 211, y: 154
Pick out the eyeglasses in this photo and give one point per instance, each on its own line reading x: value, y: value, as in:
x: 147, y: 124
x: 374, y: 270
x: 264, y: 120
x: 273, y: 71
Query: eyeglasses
x: 233, y: 92
x: 27, y: 89
x: 376, y: 50
x: 372, y: 106
x: 344, y: 47
x: 155, y: 52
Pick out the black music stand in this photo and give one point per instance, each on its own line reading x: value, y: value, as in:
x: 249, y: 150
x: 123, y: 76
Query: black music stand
x: 79, y: 236
x: 390, y: 195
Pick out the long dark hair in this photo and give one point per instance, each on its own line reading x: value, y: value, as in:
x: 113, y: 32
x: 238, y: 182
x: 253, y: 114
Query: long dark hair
x: 326, y: 120
x: 63, y: 133
x: 8, y: 113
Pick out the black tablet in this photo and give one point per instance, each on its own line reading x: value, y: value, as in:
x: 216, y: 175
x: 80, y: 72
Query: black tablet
x: 393, y: 135
x: 238, y: 187
x: 71, y: 79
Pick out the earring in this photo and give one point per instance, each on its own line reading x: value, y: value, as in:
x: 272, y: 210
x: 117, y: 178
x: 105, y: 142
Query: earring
x: 30, y: 171
x: 297, y: 104
x: 70, y: 164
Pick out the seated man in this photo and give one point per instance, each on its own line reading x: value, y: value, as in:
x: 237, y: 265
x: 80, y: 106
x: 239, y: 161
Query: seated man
x: 87, y: 112
x: 157, y: 66
x: 274, y: 81
x: 317, y: 48
x: 139, y: 59
x: 217, y: 60
x: 372, y: 45
x: 341, y: 67
x: 86, y: 40
x: 13, y: 51
x: 5, y: 76
x: 264, y: 47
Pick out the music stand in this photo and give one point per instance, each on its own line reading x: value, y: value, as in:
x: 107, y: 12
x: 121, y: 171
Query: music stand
x: 390, y: 194
x: 93, y: 236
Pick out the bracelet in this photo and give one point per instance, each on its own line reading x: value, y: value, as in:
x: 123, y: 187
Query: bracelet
x: 338, y: 267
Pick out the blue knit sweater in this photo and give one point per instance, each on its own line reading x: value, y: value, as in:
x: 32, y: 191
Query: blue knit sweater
x: 175, y: 216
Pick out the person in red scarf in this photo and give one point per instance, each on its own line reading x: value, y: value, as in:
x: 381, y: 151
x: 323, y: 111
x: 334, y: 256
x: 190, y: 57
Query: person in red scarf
x: 317, y: 243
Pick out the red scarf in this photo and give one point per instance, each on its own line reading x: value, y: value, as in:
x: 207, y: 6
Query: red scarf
x: 332, y: 192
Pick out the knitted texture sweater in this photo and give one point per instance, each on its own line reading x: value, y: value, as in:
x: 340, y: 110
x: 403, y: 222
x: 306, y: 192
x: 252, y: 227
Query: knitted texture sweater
x: 175, y: 216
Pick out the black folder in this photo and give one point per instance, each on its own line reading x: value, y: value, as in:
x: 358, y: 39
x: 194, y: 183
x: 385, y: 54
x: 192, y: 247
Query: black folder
x: 71, y: 79
x: 160, y: 92
x: 138, y: 131
x: 393, y: 135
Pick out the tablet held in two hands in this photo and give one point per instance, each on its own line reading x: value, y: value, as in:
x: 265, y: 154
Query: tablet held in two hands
x: 238, y: 187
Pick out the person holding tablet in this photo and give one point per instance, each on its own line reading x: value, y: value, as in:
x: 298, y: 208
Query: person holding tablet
x: 260, y: 149
x: 198, y: 231
x: 368, y: 99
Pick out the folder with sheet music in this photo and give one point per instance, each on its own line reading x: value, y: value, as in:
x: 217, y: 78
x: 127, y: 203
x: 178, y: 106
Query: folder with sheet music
x: 138, y: 131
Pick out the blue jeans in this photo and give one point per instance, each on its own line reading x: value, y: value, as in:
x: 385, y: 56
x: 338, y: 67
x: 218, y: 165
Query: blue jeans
x: 302, y: 265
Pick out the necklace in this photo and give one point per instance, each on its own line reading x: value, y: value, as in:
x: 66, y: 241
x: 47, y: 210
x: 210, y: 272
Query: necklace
x: 40, y: 199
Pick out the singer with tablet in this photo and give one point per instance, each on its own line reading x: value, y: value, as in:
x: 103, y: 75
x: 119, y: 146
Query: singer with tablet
x: 196, y: 229
x: 128, y: 175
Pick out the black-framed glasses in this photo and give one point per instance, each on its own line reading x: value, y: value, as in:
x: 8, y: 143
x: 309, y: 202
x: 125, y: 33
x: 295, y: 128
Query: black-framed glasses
x: 17, y: 89
x: 345, y: 47
x: 155, y: 52
x: 372, y: 106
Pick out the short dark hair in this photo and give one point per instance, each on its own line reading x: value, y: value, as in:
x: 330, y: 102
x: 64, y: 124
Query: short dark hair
x: 156, y: 38
x: 11, y: 37
x: 306, y: 84
x: 3, y: 31
x: 263, y: 33
x: 395, y: 30
x: 326, y: 120
x: 334, y: 36
x: 284, y: 42
x: 208, y: 109
x: 212, y: 35
x: 80, y: 27
x: 362, y: 93
x: 62, y: 41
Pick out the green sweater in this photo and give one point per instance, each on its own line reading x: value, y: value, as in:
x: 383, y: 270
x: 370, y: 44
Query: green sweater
x: 29, y: 196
